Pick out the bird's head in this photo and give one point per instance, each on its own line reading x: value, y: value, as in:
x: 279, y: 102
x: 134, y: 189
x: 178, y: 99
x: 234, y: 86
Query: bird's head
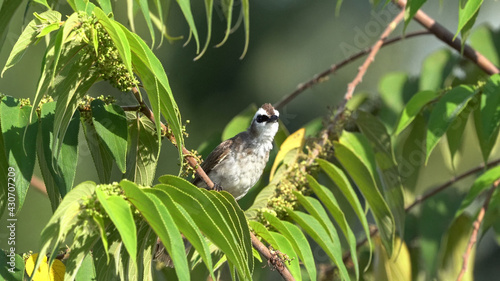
x: 265, y: 122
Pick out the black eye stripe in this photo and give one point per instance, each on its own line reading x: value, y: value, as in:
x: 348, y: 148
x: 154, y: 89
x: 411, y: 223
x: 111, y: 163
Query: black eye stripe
x: 262, y: 118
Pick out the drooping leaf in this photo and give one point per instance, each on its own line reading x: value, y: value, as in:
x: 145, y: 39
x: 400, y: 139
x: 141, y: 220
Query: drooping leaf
x: 411, y: 8
x: 144, y: 6
x: 456, y: 129
x: 105, y: 6
x: 435, y: 69
x: 413, y: 108
x: 162, y: 223
x: 19, y: 139
x: 319, y: 234
x: 363, y: 178
x: 227, y: 11
x: 28, y: 36
x: 121, y: 215
x: 467, y: 13
x: 142, y: 150
x: 314, y: 207
x: 482, y: 183
x: 392, y: 268
x: 215, y: 220
x: 298, y: 241
x: 446, y: 110
x: 7, y: 11
x: 245, y: 10
x: 209, y: 4
x: 103, y: 161
x: 487, y: 42
x: 59, y: 173
x: 111, y: 126
x: 185, y: 6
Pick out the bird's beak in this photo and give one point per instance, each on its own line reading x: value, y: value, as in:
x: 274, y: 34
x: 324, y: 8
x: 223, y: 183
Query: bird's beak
x: 273, y: 119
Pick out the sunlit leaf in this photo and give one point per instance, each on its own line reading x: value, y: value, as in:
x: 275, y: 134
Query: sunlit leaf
x: 294, y: 142
x: 467, y: 13
x: 411, y: 8
x: 394, y: 268
x: 239, y: 123
x: 413, y: 108
x: 435, y: 69
x: 54, y: 272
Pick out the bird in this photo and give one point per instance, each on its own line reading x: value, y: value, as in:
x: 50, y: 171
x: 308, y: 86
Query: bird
x: 236, y: 164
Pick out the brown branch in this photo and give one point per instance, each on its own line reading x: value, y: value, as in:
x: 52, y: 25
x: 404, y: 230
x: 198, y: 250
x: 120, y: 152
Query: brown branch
x: 259, y: 246
x: 320, y: 77
x: 447, y: 37
x: 371, y: 57
x: 475, y: 230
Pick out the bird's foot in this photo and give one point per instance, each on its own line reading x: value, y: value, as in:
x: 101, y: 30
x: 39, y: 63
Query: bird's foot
x: 217, y: 187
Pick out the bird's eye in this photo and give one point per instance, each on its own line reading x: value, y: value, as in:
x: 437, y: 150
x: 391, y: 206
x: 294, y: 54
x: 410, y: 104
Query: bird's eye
x: 262, y: 118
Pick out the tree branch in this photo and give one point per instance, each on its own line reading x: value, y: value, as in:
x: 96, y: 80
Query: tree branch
x: 258, y: 245
x: 447, y: 37
x: 322, y: 76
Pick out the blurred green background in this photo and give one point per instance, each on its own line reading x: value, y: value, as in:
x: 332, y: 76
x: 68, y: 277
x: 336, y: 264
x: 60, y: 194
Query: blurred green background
x: 290, y: 42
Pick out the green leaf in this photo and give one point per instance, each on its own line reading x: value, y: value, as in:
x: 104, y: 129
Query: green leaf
x: 162, y: 223
x: 245, y: 9
x: 144, y: 6
x: 326, y: 196
x: 262, y: 232
x: 298, y: 241
x: 446, y: 110
x: 11, y: 260
x: 155, y: 82
x: 411, y: 8
x: 227, y: 10
x: 456, y: 130
x: 487, y: 42
x: 284, y: 246
x: 19, y: 139
x: 28, y: 36
x: 121, y: 215
x: 77, y: 264
x: 482, y: 183
x: 452, y: 250
x: 392, y: 268
x: 377, y: 134
x: 210, y: 211
x: 435, y: 69
x: 111, y: 126
x: 185, y: 6
x: 4, y: 177
x: 209, y: 4
x: 58, y: 174
x: 103, y: 161
x: 239, y: 123
x: 105, y: 6
x: 186, y: 225
x: 86, y: 272
x: 467, y: 13
x: 413, y: 108
x: 314, y: 207
x: 366, y: 183
x: 63, y: 220
x: 312, y: 226
x: 260, y: 201
x: 142, y: 150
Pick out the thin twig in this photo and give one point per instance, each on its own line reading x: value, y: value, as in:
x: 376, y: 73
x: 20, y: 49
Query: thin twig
x: 258, y: 245
x: 318, y: 78
x: 38, y: 184
x: 475, y: 230
x: 371, y: 57
x: 447, y: 37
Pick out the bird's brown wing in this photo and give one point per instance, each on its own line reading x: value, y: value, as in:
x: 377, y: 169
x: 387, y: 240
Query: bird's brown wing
x: 214, y: 158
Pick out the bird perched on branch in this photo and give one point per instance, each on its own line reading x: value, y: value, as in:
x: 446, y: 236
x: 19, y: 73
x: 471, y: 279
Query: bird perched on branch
x: 236, y: 164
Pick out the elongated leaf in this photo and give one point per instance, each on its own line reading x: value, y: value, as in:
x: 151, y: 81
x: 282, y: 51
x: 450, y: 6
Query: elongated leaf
x: 28, y: 36
x: 186, y: 225
x: 19, y: 139
x: 144, y: 6
x: 377, y: 134
x: 284, y: 246
x: 435, y: 69
x: 209, y: 4
x: 413, y: 108
x: 294, y: 142
x: 185, y: 6
x: 103, y: 161
x: 63, y: 220
x: 4, y: 177
x: 111, y: 126
x: 314, y: 207
x: 392, y: 268
x: 411, y: 8
x: 366, y: 184
x: 412, y: 155
x: 17, y: 274
x: 245, y: 9
x: 298, y: 241
x: 456, y: 129
x: 467, y: 15
x: 482, y: 183
x: 227, y: 10
x: 7, y: 11
x: 59, y: 173
x: 105, y: 6
x: 326, y: 196
x: 155, y: 82
x: 318, y: 234
x: 161, y: 221
x: 79, y: 255
x: 487, y: 42
x: 121, y: 215
x: 214, y: 219
x: 447, y: 109
x: 142, y: 150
